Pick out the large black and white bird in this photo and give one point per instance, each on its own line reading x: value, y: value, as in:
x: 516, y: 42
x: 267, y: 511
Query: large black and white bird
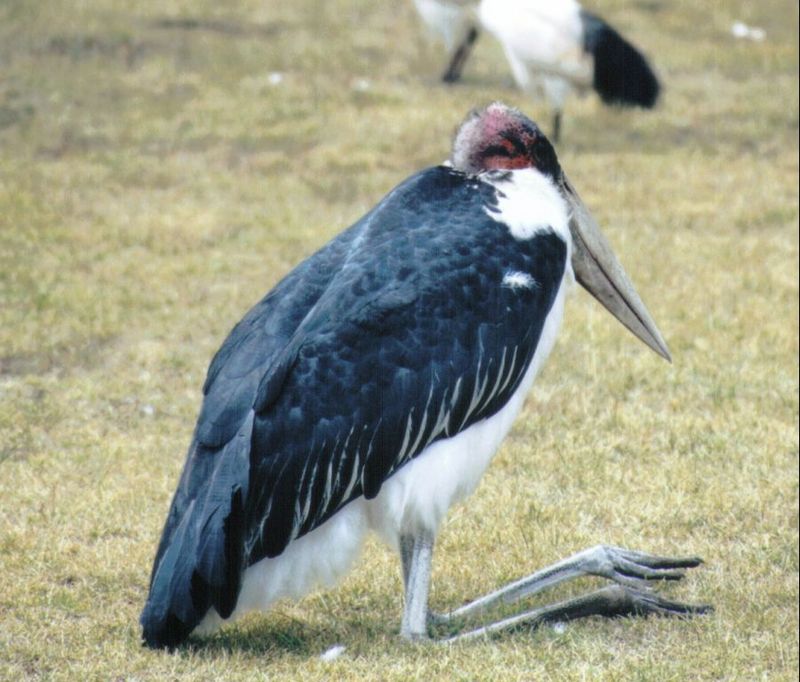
x: 554, y: 48
x: 370, y: 388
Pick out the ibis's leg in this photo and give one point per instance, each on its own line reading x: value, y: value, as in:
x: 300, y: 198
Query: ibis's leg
x: 453, y: 72
x: 610, y: 601
x: 416, y: 553
x: 630, y: 570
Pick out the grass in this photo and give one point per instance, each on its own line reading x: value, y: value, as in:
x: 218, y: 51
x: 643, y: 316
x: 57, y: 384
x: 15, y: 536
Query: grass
x: 155, y: 180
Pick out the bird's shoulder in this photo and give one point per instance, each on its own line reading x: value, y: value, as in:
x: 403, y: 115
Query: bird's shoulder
x: 429, y: 254
x: 254, y: 346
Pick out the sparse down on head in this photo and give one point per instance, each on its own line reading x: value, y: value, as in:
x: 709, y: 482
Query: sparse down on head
x: 499, y: 137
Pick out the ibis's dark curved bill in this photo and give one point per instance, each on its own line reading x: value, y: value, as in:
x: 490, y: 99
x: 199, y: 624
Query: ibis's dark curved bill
x: 600, y: 273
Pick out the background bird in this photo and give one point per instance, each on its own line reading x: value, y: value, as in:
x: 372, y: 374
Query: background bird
x: 454, y: 22
x: 554, y: 48
x: 371, y: 387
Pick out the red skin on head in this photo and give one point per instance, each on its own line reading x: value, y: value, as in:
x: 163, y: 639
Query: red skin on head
x: 500, y: 137
x: 497, y: 138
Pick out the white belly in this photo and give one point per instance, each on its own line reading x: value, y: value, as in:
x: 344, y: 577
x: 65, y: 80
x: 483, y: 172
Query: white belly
x: 416, y: 498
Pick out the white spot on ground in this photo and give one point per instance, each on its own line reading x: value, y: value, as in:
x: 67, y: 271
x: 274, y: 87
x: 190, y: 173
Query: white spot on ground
x: 275, y: 78
x: 744, y: 32
x: 559, y: 628
x: 333, y: 653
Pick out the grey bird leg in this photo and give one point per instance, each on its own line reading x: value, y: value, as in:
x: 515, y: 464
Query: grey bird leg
x: 627, y: 568
x: 453, y: 72
x: 416, y: 553
x: 611, y: 601
x: 406, y: 550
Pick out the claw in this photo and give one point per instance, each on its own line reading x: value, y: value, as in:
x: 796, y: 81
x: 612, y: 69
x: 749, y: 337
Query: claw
x: 612, y: 601
x: 631, y: 568
x: 641, y: 572
x: 654, y: 561
x: 635, y: 602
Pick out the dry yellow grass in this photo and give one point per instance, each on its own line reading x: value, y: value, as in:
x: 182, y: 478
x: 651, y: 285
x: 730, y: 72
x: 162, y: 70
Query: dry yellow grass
x: 154, y: 183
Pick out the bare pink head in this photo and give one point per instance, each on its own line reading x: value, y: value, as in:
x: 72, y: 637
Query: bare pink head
x: 499, y: 137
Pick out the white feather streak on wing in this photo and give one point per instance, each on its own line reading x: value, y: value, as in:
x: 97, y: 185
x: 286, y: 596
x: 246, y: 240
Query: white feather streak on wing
x: 479, y: 390
x: 313, y: 472
x: 349, y: 436
x: 473, y: 400
x: 511, y: 367
x: 407, y: 438
x: 326, y: 497
x: 296, y: 522
x: 494, y: 390
x: 422, y: 424
x: 309, y: 491
x: 481, y: 385
x: 330, y: 483
x: 339, y: 469
x: 297, y: 518
x: 256, y: 536
x: 372, y: 438
x: 270, y: 499
x: 441, y: 420
x: 454, y: 400
x: 343, y: 457
x: 353, y: 475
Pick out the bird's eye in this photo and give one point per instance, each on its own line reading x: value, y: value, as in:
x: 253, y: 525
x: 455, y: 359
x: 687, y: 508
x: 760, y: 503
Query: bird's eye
x: 497, y: 150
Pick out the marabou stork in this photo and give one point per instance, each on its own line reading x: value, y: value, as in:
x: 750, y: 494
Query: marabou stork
x: 370, y: 388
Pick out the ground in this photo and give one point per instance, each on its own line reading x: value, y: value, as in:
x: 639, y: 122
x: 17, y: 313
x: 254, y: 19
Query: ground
x: 163, y: 164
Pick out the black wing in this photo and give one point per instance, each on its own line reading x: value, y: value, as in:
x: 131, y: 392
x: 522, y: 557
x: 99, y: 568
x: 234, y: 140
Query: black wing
x: 412, y: 339
x: 218, y: 457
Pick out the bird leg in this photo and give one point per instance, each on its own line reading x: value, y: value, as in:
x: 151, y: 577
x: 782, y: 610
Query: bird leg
x: 416, y: 553
x: 625, y: 567
x: 631, y: 595
x: 610, y: 602
x: 453, y: 72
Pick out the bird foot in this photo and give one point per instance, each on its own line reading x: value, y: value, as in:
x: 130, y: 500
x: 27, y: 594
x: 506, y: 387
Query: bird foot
x: 613, y: 601
x: 632, y: 572
x: 631, y: 568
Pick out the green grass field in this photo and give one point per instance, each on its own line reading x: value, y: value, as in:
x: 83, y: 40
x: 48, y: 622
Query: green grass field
x: 156, y: 180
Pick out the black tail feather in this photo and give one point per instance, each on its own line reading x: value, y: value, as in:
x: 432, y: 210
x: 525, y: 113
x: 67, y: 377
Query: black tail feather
x: 200, y: 560
x: 171, y: 612
x: 621, y: 73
